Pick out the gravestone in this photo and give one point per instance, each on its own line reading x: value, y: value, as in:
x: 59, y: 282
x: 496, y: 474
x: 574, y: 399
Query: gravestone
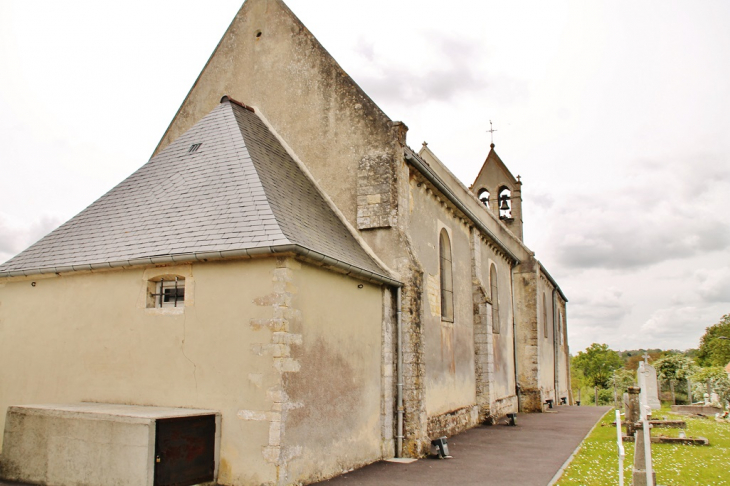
x: 631, y: 408
x: 648, y: 384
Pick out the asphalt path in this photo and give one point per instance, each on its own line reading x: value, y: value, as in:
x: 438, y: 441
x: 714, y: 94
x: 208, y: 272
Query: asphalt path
x: 529, y: 454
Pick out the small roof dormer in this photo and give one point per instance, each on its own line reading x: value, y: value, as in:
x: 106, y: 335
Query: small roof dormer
x: 500, y: 191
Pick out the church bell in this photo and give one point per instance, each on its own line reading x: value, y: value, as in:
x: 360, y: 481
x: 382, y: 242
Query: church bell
x: 504, y: 205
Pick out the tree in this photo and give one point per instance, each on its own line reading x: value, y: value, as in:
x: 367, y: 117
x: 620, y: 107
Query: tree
x: 716, y: 377
x: 598, y: 363
x: 633, y: 360
x: 622, y: 379
x: 715, y: 351
x: 674, y: 368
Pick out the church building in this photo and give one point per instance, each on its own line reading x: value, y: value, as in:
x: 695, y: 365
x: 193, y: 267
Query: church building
x: 288, y: 266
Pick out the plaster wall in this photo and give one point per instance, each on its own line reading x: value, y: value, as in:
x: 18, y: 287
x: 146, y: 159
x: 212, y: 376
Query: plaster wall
x: 89, y: 337
x: 503, y: 375
x: 335, y: 421
x: 448, y: 346
x: 545, y: 332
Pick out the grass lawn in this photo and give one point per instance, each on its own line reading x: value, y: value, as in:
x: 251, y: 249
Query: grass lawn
x: 677, y: 465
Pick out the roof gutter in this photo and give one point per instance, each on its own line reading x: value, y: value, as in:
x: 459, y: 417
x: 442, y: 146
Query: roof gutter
x: 552, y: 281
x: 436, y: 181
x: 306, y: 253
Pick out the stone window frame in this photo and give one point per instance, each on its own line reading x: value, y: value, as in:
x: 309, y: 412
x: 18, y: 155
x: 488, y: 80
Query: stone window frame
x: 446, y: 276
x: 494, y: 294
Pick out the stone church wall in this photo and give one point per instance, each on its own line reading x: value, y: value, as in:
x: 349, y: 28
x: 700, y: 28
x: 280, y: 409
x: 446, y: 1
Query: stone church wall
x: 546, y: 350
x: 450, y: 387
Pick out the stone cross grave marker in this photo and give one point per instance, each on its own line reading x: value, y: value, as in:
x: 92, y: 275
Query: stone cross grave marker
x: 648, y: 384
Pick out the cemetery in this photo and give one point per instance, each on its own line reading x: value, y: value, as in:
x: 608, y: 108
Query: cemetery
x: 625, y: 449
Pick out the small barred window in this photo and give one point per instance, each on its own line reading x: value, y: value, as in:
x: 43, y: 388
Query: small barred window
x: 167, y: 292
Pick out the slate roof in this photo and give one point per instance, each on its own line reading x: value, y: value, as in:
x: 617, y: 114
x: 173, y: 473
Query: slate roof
x: 239, y: 193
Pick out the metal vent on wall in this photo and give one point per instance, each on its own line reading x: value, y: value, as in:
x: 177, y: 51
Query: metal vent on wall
x: 194, y: 148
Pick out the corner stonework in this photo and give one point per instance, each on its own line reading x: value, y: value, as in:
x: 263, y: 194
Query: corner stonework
x: 284, y: 318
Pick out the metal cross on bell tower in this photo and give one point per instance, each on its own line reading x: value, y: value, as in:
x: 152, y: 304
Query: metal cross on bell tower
x: 491, y: 133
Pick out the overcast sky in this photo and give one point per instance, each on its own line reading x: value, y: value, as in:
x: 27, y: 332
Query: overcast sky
x: 616, y: 115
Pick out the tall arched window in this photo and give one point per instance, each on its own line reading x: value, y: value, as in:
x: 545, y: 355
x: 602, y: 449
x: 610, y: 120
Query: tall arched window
x: 544, y: 315
x: 447, y: 281
x: 495, y: 299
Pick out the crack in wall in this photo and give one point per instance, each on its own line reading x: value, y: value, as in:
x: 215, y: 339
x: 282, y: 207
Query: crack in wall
x: 182, y: 349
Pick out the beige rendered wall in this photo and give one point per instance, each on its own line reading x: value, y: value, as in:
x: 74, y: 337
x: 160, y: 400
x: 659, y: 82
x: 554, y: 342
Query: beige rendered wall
x: 449, y: 347
x: 89, y: 337
x: 334, y: 423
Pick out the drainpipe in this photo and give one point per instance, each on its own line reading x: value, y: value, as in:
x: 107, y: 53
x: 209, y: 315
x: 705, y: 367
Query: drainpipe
x: 556, y: 372
x: 399, y: 387
x: 514, y: 333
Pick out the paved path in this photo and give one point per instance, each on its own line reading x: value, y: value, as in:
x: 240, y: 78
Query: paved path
x: 526, y: 455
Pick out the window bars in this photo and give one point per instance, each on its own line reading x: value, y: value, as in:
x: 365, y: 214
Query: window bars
x: 170, y: 293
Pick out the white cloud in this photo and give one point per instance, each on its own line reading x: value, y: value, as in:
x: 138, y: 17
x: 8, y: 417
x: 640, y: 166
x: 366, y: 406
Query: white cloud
x: 16, y: 236
x: 671, y: 327
x: 665, y: 211
x: 714, y: 285
x: 450, y: 71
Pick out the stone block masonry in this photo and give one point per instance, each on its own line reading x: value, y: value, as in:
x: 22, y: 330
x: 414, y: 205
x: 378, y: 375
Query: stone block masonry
x: 376, y: 192
x: 283, y: 318
x: 452, y: 423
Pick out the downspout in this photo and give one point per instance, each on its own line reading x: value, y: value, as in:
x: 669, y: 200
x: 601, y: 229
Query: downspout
x: 556, y: 371
x: 514, y: 334
x: 399, y: 386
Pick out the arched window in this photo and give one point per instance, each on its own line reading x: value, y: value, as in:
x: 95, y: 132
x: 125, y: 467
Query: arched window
x: 505, y: 204
x: 483, y: 196
x: 447, y: 281
x: 495, y: 299
x: 544, y: 315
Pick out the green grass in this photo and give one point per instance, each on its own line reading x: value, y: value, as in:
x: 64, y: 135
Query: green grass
x: 675, y: 465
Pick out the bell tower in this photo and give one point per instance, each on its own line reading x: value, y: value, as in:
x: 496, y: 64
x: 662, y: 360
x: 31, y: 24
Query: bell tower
x: 500, y: 192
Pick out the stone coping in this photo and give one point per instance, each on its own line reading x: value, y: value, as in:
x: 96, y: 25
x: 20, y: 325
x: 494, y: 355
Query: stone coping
x: 109, y: 411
